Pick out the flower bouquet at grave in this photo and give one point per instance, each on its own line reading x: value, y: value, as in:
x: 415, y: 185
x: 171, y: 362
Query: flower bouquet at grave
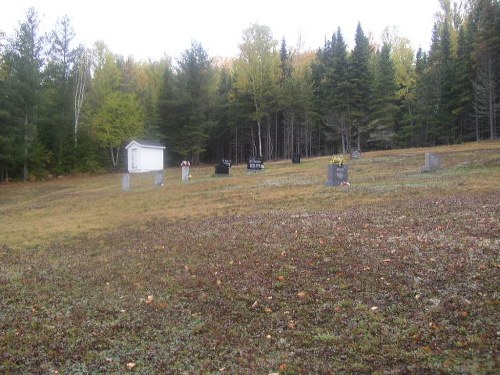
x: 338, y: 160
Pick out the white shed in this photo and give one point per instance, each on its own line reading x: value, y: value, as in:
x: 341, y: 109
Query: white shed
x: 144, y: 156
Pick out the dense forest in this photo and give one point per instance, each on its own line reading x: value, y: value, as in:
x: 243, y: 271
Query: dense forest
x: 66, y: 109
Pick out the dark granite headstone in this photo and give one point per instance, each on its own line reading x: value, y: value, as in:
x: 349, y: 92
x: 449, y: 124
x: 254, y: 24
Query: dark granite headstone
x: 222, y: 169
x: 255, y: 164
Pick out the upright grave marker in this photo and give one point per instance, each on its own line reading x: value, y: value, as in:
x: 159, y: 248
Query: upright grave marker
x: 159, y: 176
x: 126, y: 182
x: 255, y: 164
x: 224, y: 167
x: 355, y: 154
x: 185, y: 170
x: 337, y: 172
x: 432, y: 162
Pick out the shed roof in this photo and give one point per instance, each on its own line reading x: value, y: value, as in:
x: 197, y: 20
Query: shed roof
x: 145, y: 143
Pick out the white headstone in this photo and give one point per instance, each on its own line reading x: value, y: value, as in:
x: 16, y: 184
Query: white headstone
x: 185, y: 173
x: 432, y: 162
x: 126, y: 182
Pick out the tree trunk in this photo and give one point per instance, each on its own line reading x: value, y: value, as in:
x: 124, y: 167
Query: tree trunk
x: 26, y: 152
x: 114, y: 159
x: 81, y: 77
x: 491, y: 100
x: 259, y: 136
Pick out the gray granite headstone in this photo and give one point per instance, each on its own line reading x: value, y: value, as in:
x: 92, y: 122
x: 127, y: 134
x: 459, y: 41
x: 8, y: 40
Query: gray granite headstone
x: 355, y: 154
x: 126, y: 182
x: 185, y: 173
x: 159, y: 178
x: 337, y: 175
x: 432, y: 162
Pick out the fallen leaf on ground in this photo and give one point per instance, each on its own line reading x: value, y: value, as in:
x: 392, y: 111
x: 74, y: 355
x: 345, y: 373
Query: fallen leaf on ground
x: 130, y: 365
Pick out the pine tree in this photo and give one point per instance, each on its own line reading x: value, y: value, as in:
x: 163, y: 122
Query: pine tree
x: 384, y: 108
x: 361, y: 81
x: 463, y: 92
x: 23, y: 58
x: 56, y: 115
x: 185, y: 105
x: 486, y: 57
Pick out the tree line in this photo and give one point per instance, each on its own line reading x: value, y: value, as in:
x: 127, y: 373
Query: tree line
x: 66, y: 109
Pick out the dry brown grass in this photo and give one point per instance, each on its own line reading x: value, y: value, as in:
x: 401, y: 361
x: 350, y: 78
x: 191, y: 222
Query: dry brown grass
x: 35, y: 213
x: 257, y: 273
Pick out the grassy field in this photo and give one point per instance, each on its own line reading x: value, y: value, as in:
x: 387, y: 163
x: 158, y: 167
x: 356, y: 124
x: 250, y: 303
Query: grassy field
x: 262, y: 273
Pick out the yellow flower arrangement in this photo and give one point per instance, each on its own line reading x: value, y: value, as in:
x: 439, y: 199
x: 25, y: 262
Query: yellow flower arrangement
x: 337, y: 160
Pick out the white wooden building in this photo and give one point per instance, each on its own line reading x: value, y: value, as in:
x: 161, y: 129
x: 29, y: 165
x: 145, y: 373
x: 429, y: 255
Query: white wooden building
x: 144, y: 156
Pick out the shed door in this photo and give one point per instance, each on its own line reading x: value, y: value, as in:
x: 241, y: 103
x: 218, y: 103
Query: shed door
x: 134, y: 158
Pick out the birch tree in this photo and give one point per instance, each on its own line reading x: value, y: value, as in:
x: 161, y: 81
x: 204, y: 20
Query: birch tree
x: 257, y: 71
x: 81, y: 75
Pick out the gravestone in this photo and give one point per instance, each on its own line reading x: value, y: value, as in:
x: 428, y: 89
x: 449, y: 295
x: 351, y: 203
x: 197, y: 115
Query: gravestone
x: 126, y: 182
x: 185, y: 170
x: 337, y: 175
x: 355, y: 154
x: 432, y: 162
x: 185, y: 173
x: 255, y: 164
x: 159, y: 178
x: 296, y: 158
x: 222, y: 169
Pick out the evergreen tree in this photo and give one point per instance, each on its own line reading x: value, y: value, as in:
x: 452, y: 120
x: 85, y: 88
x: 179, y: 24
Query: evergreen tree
x: 23, y: 61
x: 224, y: 137
x: 424, y: 99
x: 187, y: 104
x: 486, y: 56
x: 332, y: 90
x: 463, y: 92
x: 361, y: 82
x: 384, y: 108
x: 56, y: 115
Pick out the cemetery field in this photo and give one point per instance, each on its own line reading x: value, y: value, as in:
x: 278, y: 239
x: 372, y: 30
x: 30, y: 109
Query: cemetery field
x: 261, y: 273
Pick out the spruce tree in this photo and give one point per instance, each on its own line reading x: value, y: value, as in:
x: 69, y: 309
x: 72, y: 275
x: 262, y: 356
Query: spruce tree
x: 361, y: 82
x: 384, y: 108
